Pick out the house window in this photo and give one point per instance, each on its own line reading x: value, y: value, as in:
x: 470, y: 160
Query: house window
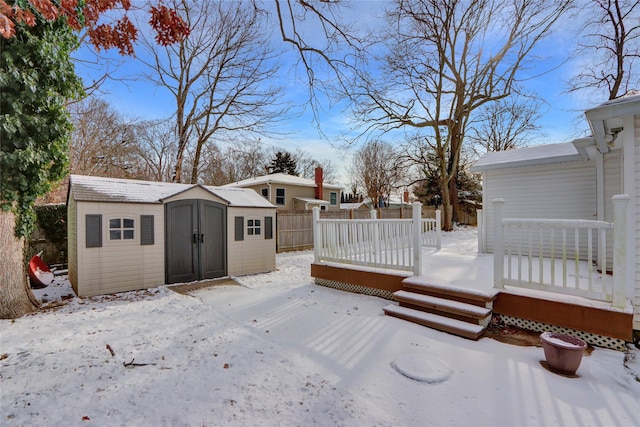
x: 333, y: 198
x: 265, y: 193
x: 121, y: 229
x: 279, y: 196
x: 254, y: 227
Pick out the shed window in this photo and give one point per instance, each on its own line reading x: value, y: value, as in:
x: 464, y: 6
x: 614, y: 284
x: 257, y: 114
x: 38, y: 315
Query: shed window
x: 146, y: 230
x: 279, y: 196
x: 121, y: 229
x: 254, y: 227
x: 268, y: 227
x: 93, y: 231
x: 239, y: 228
x: 265, y: 193
x: 333, y: 199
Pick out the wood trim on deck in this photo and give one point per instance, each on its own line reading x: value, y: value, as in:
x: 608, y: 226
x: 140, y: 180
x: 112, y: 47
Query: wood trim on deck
x: 595, y: 320
x: 383, y: 281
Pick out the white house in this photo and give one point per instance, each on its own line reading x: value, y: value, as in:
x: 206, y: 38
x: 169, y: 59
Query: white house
x: 574, y: 180
x: 127, y: 234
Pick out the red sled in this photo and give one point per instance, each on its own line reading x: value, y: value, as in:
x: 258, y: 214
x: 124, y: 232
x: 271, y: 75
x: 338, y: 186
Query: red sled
x: 40, y: 275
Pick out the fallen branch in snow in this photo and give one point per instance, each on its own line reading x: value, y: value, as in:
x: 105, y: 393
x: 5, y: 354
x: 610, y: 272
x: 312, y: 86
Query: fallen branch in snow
x: 113, y: 353
x: 134, y: 365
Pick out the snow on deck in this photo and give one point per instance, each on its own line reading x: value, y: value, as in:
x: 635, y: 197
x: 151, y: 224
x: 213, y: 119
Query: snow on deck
x: 458, y: 265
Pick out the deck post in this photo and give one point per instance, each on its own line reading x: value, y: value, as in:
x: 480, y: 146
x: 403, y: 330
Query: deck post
x: 376, y: 238
x: 498, y: 244
x: 317, y: 237
x: 438, y: 229
x: 480, y: 226
x: 417, y: 244
x: 620, y: 291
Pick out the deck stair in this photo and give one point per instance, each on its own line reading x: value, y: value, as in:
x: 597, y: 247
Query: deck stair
x: 458, y: 311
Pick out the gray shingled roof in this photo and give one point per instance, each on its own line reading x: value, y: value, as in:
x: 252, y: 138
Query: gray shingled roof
x: 99, y: 189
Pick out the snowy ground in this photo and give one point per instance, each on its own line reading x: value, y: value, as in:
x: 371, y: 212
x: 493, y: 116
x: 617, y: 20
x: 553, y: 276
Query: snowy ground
x: 278, y: 350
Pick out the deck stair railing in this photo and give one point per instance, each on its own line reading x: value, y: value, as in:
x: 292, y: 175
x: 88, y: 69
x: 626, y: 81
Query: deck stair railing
x: 562, y: 255
x: 383, y: 243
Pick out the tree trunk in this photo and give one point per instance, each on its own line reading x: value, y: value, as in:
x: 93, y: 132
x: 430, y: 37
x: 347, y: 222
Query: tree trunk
x: 16, y: 298
x: 453, y: 197
x: 447, y: 222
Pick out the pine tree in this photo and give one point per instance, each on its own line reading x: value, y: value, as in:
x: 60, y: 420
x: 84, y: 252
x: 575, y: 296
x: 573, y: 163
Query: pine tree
x: 283, y: 163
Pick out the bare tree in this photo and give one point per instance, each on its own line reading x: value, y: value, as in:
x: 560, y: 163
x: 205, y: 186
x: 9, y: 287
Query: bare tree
x: 307, y: 166
x: 376, y: 167
x: 242, y: 160
x: 324, y: 42
x: 103, y: 142
x: 219, y: 75
x: 155, y: 145
x: 504, y: 125
x: 611, y: 42
x: 445, y: 60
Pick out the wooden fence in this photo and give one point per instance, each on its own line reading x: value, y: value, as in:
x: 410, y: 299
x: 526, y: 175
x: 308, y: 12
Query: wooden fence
x: 295, y: 228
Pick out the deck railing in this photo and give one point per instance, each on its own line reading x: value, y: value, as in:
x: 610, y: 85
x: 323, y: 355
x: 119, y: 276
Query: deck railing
x: 384, y: 243
x: 562, y: 256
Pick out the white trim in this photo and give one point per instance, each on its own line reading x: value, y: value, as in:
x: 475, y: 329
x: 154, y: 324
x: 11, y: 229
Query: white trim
x: 531, y: 156
x: 628, y: 187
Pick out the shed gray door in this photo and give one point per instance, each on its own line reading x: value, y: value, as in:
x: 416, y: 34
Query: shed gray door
x: 195, y: 236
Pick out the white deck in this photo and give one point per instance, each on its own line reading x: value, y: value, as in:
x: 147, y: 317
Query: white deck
x: 462, y: 267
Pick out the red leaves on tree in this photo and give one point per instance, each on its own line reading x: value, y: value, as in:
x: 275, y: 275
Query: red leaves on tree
x: 169, y: 27
x: 120, y: 34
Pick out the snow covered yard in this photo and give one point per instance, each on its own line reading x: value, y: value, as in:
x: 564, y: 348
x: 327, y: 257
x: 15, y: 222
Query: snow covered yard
x: 279, y: 350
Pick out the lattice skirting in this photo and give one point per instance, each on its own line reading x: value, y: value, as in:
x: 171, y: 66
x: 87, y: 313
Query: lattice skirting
x: 590, y: 338
x: 356, y: 289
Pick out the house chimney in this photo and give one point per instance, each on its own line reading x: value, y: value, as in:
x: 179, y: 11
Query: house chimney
x: 406, y: 197
x: 319, y: 183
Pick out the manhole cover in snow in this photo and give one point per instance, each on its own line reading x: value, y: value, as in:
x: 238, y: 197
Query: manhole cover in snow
x: 420, y: 367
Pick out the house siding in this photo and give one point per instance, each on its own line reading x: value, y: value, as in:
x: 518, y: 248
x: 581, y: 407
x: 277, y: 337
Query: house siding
x: 122, y: 265
x: 562, y: 191
x: 253, y: 254
x: 636, y: 300
x: 293, y: 191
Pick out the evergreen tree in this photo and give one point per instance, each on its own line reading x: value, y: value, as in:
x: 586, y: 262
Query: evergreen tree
x: 283, y: 163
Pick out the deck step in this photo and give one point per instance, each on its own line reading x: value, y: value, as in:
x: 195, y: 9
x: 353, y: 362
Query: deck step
x: 434, y: 321
x: 468, y: 296
x: 459, y: 310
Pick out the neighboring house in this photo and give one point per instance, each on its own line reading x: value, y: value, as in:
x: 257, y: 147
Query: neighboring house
x: 574, y: 180
x: 126, y: 234
x: 394, y: 201
x: 288, y: 192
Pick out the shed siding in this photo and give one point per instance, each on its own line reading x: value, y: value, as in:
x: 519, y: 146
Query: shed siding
x: 195, y: 193
x: 254, y: 254
x: 636, y: 301
x: 72, y: 242
x: 122, y: 265
x: 561, y: 191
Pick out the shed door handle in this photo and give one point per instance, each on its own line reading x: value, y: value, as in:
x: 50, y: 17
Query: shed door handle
x: 201, y: 238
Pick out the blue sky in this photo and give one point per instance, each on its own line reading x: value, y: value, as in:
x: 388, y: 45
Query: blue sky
x: 561, y: 116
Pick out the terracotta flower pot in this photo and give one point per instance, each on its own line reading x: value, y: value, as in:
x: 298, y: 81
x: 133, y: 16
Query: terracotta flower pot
x: 563, y: 352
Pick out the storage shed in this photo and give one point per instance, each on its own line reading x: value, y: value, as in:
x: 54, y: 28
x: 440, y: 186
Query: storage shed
x: 127, y: 234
